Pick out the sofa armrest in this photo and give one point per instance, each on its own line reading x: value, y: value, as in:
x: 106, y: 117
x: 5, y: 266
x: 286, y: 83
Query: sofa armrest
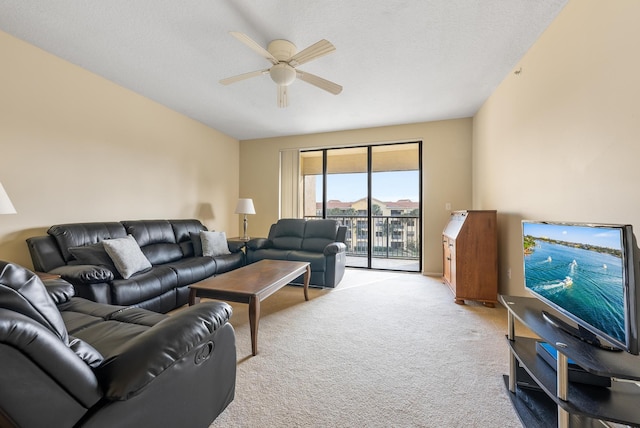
x: 335, y: 248
x: 45, y: 253
x: 258, y: 244
x: 60, y: 290
x: 142, y: 359
x: 235, y: 246
x: 84, y: 274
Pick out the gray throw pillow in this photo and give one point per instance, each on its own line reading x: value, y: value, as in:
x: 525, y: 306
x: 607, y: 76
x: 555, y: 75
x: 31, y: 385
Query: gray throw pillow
x: 126, y: 255
x: 214, y: 244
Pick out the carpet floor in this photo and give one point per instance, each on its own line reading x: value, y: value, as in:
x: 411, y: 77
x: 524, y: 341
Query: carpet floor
x: 383, y: 349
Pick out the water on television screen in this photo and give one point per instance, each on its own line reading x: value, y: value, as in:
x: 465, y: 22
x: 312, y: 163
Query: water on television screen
x: 580, y: 269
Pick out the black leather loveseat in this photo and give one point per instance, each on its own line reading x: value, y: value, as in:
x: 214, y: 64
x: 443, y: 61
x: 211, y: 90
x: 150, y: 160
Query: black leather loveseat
x: 76, y: 252
x: 319, y: 242
x: 70, y: 362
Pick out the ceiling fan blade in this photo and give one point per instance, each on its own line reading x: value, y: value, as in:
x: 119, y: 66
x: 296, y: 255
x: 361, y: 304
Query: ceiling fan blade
x: 321, y: 83
x: 254, y: 46
x: 314, y: 51
x: 283, y: 98
x: 244, y: 76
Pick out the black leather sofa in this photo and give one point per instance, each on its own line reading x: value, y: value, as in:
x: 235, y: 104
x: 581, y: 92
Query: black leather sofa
x: 319, y: 242
x: 167, y: 244
x: 70, y: 362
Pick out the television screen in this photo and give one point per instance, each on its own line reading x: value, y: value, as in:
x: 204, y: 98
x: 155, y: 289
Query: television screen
x: 586, y: 272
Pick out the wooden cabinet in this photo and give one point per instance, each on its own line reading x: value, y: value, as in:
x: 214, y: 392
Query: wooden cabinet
x: 470, y: 256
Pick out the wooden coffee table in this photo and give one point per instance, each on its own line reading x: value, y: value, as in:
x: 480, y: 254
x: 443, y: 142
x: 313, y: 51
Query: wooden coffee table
x: 252, y: 284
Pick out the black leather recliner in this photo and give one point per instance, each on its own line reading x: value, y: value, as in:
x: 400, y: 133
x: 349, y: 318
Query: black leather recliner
x: 319, y: 242
x: 69, y: 362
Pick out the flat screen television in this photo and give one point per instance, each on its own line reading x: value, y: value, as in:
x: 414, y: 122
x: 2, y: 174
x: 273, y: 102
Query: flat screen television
x: 588, y: 273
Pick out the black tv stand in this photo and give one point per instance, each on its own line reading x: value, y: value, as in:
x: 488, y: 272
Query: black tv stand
x: 550, y: 399
x: 579, y: 332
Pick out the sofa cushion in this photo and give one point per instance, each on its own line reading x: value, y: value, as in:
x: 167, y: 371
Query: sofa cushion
x: 161, y: 253
x: 317, y: 260
x: 193, y: 269
x: 105, y: 336
x: 138, y: 316
x: 228, y: 262
x: 104, y: 326
x: 214, y: 244
x: 77, y: 321
x: 267, y: 253
x: 126, y: 255
x: 318, y: 234
x: 143, y: 286
x: 149, y: 232
x: 88, y: 309
x: 183, y: 231
x: 79, y: 234
x: 288, y: 234
x: 156, y: 239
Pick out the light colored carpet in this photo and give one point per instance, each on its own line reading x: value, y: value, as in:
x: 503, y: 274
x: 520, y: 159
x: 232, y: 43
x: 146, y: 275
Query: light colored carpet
x: 381, y: 350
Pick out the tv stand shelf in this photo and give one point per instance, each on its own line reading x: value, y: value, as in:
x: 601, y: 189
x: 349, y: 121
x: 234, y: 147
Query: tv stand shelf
x: 583, y: 405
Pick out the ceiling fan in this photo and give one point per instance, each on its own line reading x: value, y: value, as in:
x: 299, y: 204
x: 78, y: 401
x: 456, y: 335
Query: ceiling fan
x: 282, y: 54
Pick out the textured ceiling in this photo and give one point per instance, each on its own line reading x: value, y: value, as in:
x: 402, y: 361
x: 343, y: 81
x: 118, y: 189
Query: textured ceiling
x: 399, y: 61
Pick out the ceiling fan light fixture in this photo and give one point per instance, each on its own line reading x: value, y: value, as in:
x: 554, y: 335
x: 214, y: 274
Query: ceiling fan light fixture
x: 283, y: 74
x: 284, y: 59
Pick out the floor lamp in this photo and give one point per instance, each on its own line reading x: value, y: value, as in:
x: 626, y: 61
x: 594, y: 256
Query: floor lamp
x: 245, y: 206
x: 6, y: 207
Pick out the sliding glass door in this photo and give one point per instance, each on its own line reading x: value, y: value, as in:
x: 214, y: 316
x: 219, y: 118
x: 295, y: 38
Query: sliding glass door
x: 375, y: 191
x: 395, y: 195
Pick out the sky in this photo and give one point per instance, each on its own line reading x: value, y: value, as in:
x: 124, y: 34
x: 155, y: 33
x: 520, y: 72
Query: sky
x: 606, y: 237
x: 386, y: 186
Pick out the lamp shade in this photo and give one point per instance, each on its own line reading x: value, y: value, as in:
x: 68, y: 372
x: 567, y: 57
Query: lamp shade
x: 245, y: 206
x: 283, y: 74
x: 6, y: 207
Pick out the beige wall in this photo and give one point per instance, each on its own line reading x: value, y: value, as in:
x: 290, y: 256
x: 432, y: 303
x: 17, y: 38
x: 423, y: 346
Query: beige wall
x: 446, y: 157
x: 560, y: 141
x: 76, y: 147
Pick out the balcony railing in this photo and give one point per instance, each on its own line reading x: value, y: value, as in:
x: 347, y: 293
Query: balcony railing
x: 393, y: 237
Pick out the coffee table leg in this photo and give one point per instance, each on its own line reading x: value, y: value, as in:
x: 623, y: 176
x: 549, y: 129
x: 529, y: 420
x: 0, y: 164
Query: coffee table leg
x: 192, y: 297
x: 307, y: 278
x: 254, y: 320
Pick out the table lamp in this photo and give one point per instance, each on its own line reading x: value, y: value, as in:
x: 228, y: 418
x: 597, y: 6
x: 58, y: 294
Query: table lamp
x: 245, y: 206
x: 6, y: 207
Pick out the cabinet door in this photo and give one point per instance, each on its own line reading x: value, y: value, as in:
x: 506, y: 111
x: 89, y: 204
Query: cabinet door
x: 452, y: 265
x: 448, y: 262
x: 446, y: 259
